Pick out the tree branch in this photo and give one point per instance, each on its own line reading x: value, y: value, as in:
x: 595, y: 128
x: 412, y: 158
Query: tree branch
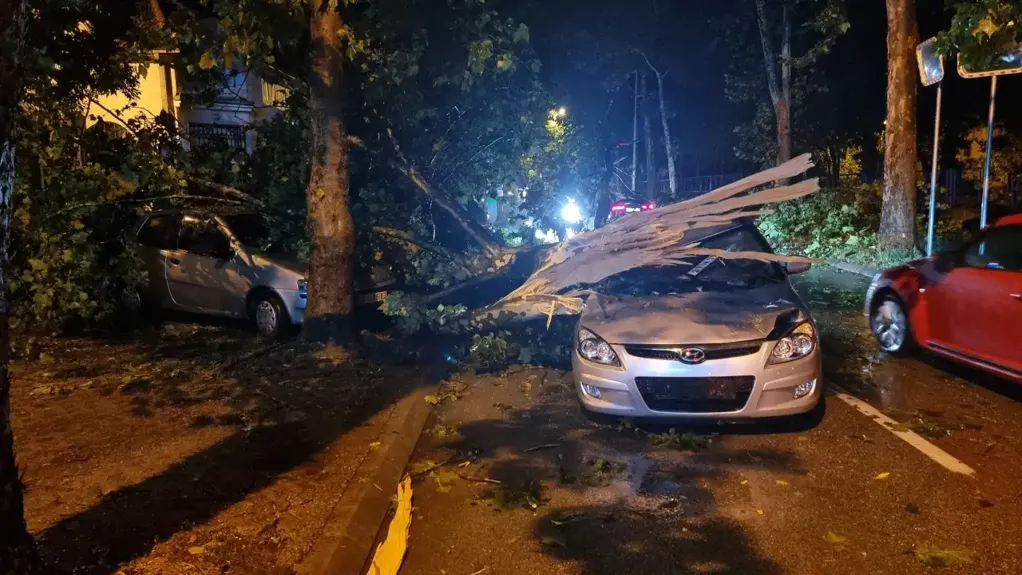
x: 474, y: 230
x: 408, y: 238
x: 144, y: 200
x: 768, y: 50
x: 227, y: 190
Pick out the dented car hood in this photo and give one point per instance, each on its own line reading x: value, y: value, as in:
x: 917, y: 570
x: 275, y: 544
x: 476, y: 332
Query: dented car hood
x: 698, y: 317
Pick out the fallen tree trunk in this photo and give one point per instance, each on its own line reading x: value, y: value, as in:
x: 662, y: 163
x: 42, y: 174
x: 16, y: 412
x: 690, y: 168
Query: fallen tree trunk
x: 644, y: 239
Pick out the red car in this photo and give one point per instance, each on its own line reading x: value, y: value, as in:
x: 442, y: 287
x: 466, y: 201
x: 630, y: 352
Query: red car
x: 965, y: 305
x: 630, y: 206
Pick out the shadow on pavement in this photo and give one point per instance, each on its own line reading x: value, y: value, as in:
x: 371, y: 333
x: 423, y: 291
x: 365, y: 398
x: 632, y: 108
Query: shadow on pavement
x: 286, y: 402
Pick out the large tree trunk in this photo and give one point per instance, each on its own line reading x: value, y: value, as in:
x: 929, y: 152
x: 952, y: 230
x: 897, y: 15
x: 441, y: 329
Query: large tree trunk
x: 780, y: 88
x: 15, y: 543
x: 897, y: 220
x: 648, y: 144
x: 331, y: 229
x: 782, y: 107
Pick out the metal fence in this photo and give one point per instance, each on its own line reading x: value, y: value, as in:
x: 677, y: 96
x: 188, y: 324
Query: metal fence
x: 961, y: 193
x: 695, y: 185
x: 233, y: 136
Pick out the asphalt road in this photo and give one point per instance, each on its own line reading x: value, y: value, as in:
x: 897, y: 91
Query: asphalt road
x: 850, y: 495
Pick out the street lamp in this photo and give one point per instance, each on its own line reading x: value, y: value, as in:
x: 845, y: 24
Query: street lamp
x: 562, y: 112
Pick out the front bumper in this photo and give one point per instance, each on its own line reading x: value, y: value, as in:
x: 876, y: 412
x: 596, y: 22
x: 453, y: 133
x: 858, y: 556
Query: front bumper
x: 295, y: 301
x: 772, y: 392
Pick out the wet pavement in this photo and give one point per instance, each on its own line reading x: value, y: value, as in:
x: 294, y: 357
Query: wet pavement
x: 510, y: 477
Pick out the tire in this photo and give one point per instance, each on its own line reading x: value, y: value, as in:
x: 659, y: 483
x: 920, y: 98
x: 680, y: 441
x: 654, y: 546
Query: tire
x: 889, y: 324
x: 268, y: 315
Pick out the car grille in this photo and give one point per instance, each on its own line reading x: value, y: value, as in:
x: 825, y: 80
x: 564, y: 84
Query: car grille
x: 713, y: 350
x: 695, y: 394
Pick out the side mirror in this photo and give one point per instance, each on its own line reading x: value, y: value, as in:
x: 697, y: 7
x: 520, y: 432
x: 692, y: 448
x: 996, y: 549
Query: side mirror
x: 797, y: 267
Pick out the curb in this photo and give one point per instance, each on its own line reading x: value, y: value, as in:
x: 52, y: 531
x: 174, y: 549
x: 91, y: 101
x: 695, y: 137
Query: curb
x: 346, y: 541
x: 854, y: 268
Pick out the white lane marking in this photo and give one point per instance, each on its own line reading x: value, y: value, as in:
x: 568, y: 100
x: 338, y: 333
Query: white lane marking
x: 912, y: 438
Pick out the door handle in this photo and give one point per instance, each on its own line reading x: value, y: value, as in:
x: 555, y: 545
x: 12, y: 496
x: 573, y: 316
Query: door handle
x: 174, y: 261
x: 1017, y: 296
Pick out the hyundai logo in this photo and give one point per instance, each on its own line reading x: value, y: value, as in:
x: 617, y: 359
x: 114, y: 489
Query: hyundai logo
x: 692, y: 355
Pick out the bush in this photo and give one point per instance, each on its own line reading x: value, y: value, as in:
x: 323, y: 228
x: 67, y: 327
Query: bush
x: 489, y: 353
x: 77, y: 195
x: 835, y: 224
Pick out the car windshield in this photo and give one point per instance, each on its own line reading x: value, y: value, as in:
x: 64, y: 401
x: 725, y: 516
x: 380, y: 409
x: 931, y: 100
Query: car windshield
x: 698, y: 273
x: 250, y: 229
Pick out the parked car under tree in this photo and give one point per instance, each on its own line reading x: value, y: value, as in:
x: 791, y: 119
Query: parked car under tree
x: 706, y: 338
x: 212, y: 263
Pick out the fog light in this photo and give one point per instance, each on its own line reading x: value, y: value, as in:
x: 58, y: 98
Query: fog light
x: 805, y: 389
x: 591, y: 391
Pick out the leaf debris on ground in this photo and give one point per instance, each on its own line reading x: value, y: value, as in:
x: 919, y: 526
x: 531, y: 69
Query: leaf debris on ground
x: 602, y: 472
x: 834, y: 538
x: 934, y: 556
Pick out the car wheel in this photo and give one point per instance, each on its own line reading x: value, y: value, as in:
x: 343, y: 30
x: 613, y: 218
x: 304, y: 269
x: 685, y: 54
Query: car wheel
x: 268, y: 315
x: 889, y: 323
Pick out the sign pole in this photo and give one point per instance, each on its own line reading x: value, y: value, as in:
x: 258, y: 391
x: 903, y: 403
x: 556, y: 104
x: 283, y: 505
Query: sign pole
x: 931, y: 71
x: 986, y: 161
x: 933, y: 174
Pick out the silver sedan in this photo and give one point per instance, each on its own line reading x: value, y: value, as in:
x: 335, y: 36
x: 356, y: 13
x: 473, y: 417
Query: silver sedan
x: 706, y: 339
x: 211, y: 263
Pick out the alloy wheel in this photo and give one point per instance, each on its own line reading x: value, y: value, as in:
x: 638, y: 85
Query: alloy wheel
x: 890, y: 326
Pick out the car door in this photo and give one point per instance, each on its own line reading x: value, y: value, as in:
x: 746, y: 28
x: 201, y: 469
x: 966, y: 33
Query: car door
x: 199, y: 271
x: 157, y: 237
x: 975, y: 309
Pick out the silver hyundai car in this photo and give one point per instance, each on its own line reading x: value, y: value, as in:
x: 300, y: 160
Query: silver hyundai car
x: 706, y: 339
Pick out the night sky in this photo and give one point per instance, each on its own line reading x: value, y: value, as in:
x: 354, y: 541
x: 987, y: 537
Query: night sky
x: 579, y: 42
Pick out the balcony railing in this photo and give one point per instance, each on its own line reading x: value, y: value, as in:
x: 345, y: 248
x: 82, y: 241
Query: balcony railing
x: 233, y: 136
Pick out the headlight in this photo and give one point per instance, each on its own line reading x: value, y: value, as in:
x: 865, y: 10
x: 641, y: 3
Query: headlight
x: 799, y: 343
x: 303, y: 285
x: 593, y: 348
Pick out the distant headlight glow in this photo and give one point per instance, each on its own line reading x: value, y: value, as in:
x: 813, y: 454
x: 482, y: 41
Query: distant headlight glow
x: 571, y: 213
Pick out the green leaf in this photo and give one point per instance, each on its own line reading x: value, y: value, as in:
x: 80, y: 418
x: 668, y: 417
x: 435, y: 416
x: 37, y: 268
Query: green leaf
x: 985, y: 27
x: 207, y: 61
